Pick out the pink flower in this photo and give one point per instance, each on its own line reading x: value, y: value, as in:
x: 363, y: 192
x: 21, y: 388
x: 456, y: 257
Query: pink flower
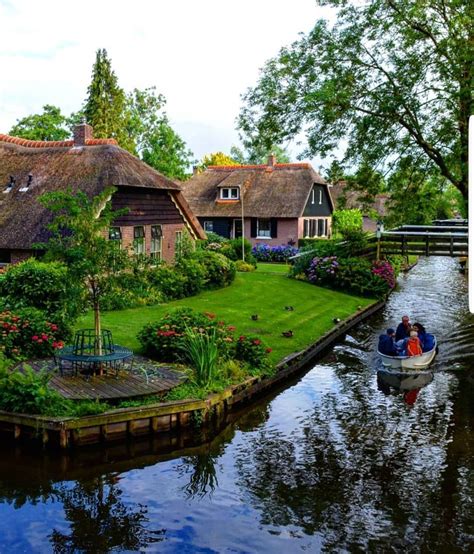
x: 34, y: 337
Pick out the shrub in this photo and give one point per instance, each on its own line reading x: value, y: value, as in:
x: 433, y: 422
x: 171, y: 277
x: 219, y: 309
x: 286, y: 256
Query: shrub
x: 266, y: 253
x: 169, y: 281
x: 26, y: 391
x: 193, y: 273
x: 253, y: 351
x: 27, y: 333
x: 200, y: 349
x: 323, y: 271
x: 244, y: 266
x: 164, y: 339
x: 44, y: 286
x: 347, y: 222
x: 356, y: 275
x: 130, y: 290
x: 385, y: 271
x: 219, y: 270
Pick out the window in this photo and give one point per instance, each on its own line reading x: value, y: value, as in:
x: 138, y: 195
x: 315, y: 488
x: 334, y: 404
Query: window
x: 312, y: 196
x: 320, y: 196
x: 316, y: 227
x: 156, y: 242
x: 209, y: 226
x: 230, y: 193
x: 115, y: 234
x: 264, y: 230
x: 178, y: 243
x: 139, y: 240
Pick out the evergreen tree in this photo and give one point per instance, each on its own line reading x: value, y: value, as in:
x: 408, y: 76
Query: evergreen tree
x: 105, y: 107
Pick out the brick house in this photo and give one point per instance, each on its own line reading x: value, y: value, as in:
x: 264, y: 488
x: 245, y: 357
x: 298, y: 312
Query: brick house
x: 158, y: 213
x: 278, y: 203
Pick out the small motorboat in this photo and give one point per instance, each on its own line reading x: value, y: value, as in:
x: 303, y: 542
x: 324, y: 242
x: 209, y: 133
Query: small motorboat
x: 410, y: 363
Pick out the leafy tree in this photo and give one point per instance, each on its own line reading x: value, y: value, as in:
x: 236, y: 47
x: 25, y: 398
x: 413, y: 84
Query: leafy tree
x: 80, y: 240
x: 166, y: 151
x: 347, y: 222
x: 49, y: 125
x: 258, y: 153
x: 390, y: 79
x: 216, y: 158
x: 105, y: 106
x: 144, y: 113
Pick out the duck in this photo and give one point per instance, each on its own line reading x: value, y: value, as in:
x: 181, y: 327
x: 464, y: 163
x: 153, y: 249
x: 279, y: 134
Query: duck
x: 336, y: 320
x: 254, y: 317
x: 288, y: 334
x: 289, y: 308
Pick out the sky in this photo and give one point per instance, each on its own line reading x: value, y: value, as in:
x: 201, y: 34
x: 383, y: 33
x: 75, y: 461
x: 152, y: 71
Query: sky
x: 202, y: 55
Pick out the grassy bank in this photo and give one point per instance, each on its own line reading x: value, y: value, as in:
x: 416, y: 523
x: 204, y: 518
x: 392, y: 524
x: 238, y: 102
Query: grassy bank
x: 265, y: 293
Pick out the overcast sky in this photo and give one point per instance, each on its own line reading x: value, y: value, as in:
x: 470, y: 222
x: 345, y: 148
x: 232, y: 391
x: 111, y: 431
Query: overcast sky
x: 201, y: 54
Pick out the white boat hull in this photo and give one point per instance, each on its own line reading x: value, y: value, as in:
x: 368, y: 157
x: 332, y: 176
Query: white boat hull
x: 409, y: 363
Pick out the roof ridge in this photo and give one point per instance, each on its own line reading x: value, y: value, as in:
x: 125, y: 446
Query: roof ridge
x: 300, y: 165
x: 53, y: 143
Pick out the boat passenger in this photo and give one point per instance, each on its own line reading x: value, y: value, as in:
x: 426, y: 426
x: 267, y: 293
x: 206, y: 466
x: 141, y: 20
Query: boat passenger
x: 427, y: 339
x: 414, y: 345
x: 387, y: 344
x: 403, y: 329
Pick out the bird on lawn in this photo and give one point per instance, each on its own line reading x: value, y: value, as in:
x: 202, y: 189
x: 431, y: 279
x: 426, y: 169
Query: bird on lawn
x: 337, y: 320
x: 288, y: 334
x: 289, y: 308
x: 254, y: 317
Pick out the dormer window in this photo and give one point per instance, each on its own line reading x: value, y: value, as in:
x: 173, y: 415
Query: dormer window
x: 28, y: 184
x: 10, y: 185
x: 230, y: 193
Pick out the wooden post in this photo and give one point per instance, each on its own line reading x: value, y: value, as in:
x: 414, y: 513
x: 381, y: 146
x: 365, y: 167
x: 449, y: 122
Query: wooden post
x: 17, y: 431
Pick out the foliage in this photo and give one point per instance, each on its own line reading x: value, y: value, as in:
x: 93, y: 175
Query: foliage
x: 244, y: 267
x: 350, y: 84
x: 49, y: 125
x: 185, y: 248
x: 321, y: 271
x: 385, y: 271
x: 45, y: 286
x: 26, y: 333
x: 105, y: 106
x: 79, y: 239
x: 253, y: 351
x: 167, y: 152
x: 212, y: 238
x: 216, y: 158
x: 347, y: 222
x: 258, y: 154
x: 190, y: 390
x: 169, y: 281
x: 25, y: 391
x: 129, y: 290
x: 194, y: 274
x: 165, y: 339
x: 200, y: 349
x: 266, y: 253
x: 219, y: 270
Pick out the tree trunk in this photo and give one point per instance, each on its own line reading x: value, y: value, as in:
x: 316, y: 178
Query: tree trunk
x: 97, y: 328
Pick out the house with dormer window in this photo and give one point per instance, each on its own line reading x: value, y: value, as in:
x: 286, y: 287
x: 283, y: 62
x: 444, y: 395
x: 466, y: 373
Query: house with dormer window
x: 272, y: 203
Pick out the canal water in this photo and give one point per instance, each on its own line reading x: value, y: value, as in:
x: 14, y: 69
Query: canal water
x: 341, y: 460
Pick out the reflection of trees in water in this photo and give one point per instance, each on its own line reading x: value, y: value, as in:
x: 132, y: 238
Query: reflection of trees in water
x: 202, y: 478
x: 99, y: 519
x: 362, y: 471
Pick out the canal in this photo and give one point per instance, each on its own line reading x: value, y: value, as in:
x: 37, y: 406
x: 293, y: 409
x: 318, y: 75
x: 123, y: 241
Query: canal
x: 341, y: 460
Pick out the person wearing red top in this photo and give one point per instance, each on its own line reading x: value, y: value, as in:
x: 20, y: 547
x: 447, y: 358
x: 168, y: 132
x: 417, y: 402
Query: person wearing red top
x: 414, y: 345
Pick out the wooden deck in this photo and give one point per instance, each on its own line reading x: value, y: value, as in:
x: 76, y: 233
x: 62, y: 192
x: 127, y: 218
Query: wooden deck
x: 127, y: 383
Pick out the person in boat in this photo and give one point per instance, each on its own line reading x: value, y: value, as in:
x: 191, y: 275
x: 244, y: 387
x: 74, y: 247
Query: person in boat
x: 427, y: 339
x: 387, y: 344
x: 413, y: 346
x: 403, y: 329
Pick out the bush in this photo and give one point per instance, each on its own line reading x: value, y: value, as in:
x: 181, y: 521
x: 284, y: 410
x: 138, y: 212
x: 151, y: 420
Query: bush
x: 130, y: 290
x: 244, y: 267
x: 253, y: 351
x: 266, y: 253
x: 347, y: 222
x: 193, y: 273
x: 28, y: 392
x: 219, y: 270
x: 44, y: 286
x: 170, y: 282
x: 200, y: 348
x: 164, y: 339
x: 26, y: 333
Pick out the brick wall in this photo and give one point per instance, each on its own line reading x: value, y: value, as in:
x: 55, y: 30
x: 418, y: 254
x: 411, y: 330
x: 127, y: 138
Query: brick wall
x: 287, y: 230
x: 168, y: 247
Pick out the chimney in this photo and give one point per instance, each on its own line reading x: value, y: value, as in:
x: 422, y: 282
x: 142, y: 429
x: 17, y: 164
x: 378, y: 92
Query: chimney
x: 271, y: 160
x: 81, y: 134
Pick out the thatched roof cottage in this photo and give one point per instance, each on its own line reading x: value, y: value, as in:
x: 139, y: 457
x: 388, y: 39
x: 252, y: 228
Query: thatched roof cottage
x: 158, y: 212
x: 279, y: 203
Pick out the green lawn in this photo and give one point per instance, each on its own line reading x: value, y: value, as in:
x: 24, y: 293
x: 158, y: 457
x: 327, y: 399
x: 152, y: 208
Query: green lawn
x: 261, y: 292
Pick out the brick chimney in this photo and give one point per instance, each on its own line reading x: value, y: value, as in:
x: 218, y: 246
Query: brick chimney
x: 81, y: 134
x: 271, y: 160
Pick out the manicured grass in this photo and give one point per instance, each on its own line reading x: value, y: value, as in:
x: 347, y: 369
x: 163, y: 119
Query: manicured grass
x: 261, y: 293
x: 281, y: 269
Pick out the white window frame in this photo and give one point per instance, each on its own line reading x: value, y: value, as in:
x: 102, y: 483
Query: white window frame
x: 116, y: 238
x: 320, y: 196
x: 208, y: 226
x: 229, y: 193
x: 139, y: 243
x: 312, y: 197
x: 311, y: 226
x: 259, y: 231
x: 156, y: 243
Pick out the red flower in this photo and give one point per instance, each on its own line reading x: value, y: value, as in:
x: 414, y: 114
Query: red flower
x: 34, y: 337
x: 231, y: 328
x: 44, y: 337
x: 210, y: 315
x: 241, y: 338
x: 257, y: 342
x: 268, y: 350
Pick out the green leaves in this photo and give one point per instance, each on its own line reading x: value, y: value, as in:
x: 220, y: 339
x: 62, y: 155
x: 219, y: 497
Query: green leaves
x: 50, y: 125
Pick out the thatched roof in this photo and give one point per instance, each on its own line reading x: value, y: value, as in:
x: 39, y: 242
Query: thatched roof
x: 60, y: 165
x: 353, y: 198
x: 279, y: 190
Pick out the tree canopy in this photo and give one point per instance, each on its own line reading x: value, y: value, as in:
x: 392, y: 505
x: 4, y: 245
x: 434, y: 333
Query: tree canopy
x: 258, y: 153
x: 49, y: 125
x: 391, y: 80
x: 216, y: 158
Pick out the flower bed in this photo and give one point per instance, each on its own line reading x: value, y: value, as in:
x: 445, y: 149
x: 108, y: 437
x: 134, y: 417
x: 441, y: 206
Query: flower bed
x: 266, y: 253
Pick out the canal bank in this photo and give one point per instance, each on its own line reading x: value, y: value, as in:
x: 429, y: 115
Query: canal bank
x: 174, y: 422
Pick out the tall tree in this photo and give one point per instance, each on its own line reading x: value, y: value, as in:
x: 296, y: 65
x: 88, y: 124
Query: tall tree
x: 258, y: 153
x: 49, y: 125
x: 216, y: 158
x: 105, y: 106
x: 390, y: 79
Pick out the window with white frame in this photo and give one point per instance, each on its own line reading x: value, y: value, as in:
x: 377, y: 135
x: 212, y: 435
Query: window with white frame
x: 264, y: 229
x: 230, y: 193
x: 139, y: 240
x: 312, y: 196
x: 115, y: 235
x: 320, y: 196
x: 178, y: 243
x: 208, y: 226
x: 156, y: 242
x: 315, y: 227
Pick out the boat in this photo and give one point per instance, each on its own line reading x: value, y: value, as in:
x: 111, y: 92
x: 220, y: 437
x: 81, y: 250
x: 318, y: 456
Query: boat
x: 409, y: 363
x: 404, y: 380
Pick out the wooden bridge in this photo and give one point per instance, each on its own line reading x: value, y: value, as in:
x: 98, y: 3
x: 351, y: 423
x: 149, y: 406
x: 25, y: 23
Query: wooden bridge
x: 443, y: 238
